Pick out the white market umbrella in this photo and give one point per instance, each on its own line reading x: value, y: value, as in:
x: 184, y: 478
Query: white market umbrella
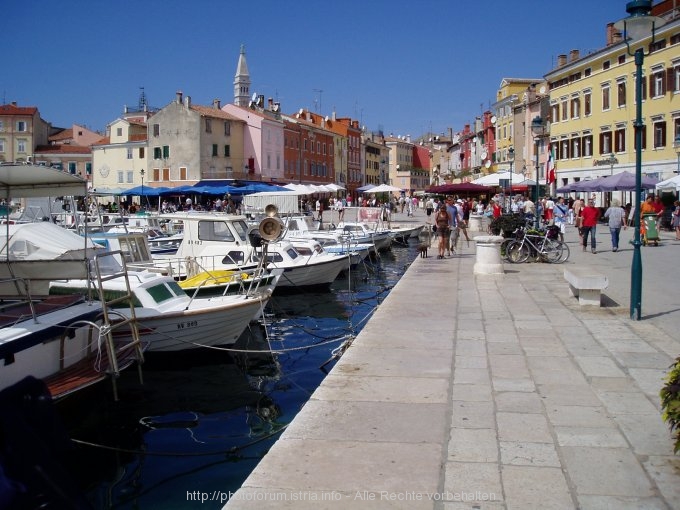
x: 384, y: 188
x: 494, y: 179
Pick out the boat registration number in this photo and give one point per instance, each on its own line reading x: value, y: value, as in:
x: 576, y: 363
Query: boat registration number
x: 187, y: 325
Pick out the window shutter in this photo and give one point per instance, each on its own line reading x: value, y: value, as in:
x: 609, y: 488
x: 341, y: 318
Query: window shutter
x: 670, y: 80
x: 601, y: 143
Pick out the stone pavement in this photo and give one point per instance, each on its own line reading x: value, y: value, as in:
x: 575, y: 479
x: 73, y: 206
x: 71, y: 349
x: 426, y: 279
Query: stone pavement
x: 492, y: 392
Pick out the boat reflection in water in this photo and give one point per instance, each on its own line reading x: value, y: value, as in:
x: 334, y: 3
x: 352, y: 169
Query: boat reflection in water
x: 201, y: 423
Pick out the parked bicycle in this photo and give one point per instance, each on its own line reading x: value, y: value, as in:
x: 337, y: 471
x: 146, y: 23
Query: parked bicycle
x: 543, y: 246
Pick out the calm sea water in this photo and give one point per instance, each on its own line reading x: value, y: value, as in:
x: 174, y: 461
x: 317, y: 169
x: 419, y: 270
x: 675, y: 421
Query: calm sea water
x: 200, y: 423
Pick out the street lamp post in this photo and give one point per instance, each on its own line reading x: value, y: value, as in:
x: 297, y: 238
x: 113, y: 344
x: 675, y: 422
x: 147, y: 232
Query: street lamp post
x: 511, y: 158
x: 639, y: 25
x: 141, y: 199
x: 676, y: 144
x: 538, y: 130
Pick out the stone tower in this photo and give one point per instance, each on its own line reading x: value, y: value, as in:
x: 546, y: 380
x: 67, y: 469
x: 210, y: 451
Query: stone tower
x: 242, y: 80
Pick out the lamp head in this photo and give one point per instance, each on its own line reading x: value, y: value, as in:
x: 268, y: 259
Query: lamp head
x: 640, y: 24
x: 537, y: 126
x: 511, y: 154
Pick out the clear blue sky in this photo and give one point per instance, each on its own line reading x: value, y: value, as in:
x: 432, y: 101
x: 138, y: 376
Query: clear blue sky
x: 408, y: 67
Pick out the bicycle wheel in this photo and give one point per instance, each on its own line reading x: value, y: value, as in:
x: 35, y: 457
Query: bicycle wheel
x: 565, y: 252
x: 504, y: 247
x: 551, y: 251
x: 517, y: 252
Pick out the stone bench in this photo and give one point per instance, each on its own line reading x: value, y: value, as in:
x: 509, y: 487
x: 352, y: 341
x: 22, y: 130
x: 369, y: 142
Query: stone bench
x: 586, y: 284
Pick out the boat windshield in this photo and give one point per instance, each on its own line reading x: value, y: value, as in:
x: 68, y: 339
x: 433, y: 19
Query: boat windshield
x: 215, y: 231
x: 165, y: 291
x: 241, y: 229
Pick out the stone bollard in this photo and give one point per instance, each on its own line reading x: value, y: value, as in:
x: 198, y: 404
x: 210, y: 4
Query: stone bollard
x: 488, y: 260
x: 477, y: 223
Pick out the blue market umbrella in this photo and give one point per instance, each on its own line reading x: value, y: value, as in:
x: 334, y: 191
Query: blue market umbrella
x: 146, y: 191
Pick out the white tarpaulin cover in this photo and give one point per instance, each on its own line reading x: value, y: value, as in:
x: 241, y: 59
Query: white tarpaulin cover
x: 17, y: 181
x: 41, y: 241
x: 670, y: 184
x: 287, y: 203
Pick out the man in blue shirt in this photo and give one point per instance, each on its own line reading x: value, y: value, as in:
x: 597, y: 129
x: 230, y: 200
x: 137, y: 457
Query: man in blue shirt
x: 453, y: 225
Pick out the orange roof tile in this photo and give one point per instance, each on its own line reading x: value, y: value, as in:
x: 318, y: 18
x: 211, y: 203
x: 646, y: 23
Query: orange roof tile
x: 64, y: 134
x: 211, y: 111
x: 62, y: 149
x: 10, y: 109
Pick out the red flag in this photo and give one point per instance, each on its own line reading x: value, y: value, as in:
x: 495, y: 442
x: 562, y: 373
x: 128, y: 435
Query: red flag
x: 550, y: 166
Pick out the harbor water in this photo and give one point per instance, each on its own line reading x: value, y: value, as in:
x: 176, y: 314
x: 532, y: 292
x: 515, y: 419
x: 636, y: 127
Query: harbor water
x: 201, y: 422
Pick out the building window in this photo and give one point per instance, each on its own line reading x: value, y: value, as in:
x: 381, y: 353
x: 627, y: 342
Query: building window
x: 72, y: 167
x: 555, y: 112
x: 227, y: 151
x: 214, y: 150
x: 2, y: 126
x: 565, y: 112
x: 564, y: 149
x: 208, y: 125
x: 676, y: 80
x: 2, y: 145
x: 621, y: 93
x: 227, y: 128
x: 659, y: 134
x: 130, y: 176
x: 21, y: 126
x: 575, y: 107
x: 622, y: 58
x: 620, y: 139
x: 157, y: 153
x: 120, y: 177
x: 21, y: 146
x: 166, y: 174
x: 141, y: 153
x: 129, y: 153
x: 644, y: 139
x: 156, y: 129
x: 182, y: 173
x: 657, y: 84
x: 606, y: 65
x: 88, y: 168
x: 575, y: 147
x: 119, y: 131
x: 606, y: 142
x: 166, y: 151
x: 605, y: 97
x: 587, y: 144
x: 587, y: 103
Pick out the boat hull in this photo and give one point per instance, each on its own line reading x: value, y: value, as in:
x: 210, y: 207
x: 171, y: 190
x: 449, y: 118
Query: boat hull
x: 202, y: 325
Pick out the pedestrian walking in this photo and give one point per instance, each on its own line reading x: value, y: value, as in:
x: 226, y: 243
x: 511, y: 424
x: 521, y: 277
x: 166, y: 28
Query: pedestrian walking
x: 617, y: 219
x: 675, y: 219
x: 589, y: 216
x: 561, y: 211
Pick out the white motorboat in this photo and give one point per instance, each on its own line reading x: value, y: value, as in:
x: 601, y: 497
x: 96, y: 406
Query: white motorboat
x: 134, y: 248
x: 298, y: 227
x: 217, y: 241
x: 166, y: 317
x: 362, y: 232
x: 63, y: 341
x: 401, y: 234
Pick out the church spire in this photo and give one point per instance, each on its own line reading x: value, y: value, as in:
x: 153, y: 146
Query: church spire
x: 242, y: 80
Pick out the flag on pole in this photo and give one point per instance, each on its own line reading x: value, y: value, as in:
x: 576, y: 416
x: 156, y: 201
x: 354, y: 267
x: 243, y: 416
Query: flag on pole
x: 550, y: 166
